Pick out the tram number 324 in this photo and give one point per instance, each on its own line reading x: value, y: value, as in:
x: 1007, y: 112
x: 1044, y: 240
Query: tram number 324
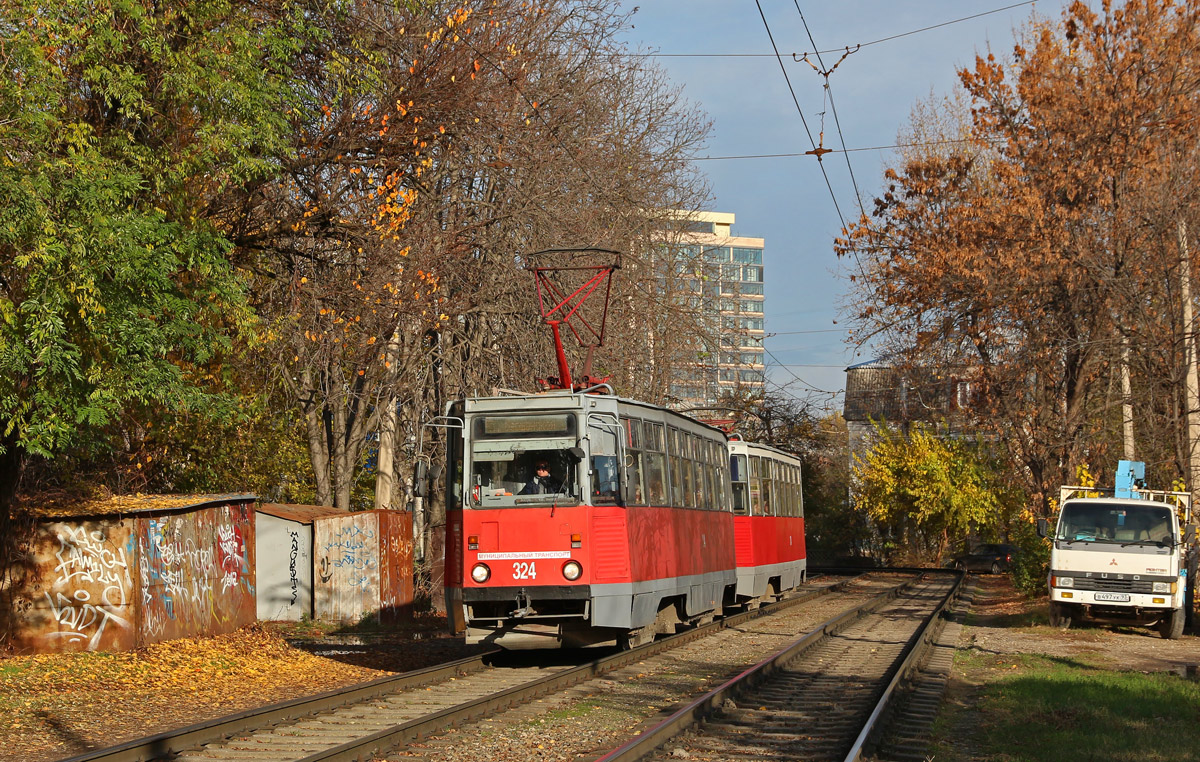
x: 524, y: 570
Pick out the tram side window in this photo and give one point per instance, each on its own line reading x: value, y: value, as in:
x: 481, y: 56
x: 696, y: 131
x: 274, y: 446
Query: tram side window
x: 675, y: 464
x: 454, y: 466
x: 724, y: 499
x: 685, y: 468
x: 605, y: 480
x: 785, y: 490
x: 797, y: 498
x: 654, y: 473
x: 793, y: 492
x: 741, y: 497
x: 697, y: 472
x: 768, y: 489
x: 755, y: 487
x: 799, y: 491
x: 635, y: 491
x: 711, y: 481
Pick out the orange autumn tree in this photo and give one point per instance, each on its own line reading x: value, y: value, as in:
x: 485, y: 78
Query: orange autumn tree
x: 440, y: 142
x: 1033, y: 256
x: 347, y: 291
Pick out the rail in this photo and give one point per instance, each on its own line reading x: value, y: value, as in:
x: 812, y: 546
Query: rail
x: 649, y: 743
x: 169, y: 744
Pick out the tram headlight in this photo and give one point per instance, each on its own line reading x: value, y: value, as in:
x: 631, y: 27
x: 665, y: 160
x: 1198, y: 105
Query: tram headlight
x: 481, y: 573
x: 572, y: 570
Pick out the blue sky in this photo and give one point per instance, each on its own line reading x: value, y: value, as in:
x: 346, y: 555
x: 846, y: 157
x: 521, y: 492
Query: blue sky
x: 786, y: 200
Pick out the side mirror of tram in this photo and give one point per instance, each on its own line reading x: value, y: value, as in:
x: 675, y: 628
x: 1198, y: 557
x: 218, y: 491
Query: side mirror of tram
x: 576, y: 453
x: 435, y: 472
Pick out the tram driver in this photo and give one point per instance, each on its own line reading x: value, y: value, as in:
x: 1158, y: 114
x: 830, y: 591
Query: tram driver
x: 542, y: 482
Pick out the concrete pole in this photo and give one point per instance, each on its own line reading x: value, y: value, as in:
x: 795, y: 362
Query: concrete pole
x: 1189, y: 343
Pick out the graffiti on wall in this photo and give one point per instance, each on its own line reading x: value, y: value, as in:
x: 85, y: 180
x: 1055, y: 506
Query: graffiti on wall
x: 353, y: 550
x: 90, y: 588
x: 293, y: 579
x: 121, y: 581
x: 196, y: 572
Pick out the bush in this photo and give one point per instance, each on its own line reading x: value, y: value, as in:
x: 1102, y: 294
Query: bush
x: 1032, y: 563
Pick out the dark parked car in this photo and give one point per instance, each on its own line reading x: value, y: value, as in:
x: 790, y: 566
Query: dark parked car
x: 990, y: 557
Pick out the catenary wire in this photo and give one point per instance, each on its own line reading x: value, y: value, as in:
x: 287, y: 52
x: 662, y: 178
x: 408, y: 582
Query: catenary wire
x: 833, y: 106
x: 843, y: 49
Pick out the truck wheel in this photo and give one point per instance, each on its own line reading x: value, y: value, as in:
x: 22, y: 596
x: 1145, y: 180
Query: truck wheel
x: 1171, y: 627
x: 1060, y: 615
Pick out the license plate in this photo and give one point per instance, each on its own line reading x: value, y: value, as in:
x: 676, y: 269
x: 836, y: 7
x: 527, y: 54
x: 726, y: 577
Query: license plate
x: 1115, y: 597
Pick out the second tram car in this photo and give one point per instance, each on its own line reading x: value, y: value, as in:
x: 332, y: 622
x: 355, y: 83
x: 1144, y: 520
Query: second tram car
x: 577, y: 518
x: 768, y: 507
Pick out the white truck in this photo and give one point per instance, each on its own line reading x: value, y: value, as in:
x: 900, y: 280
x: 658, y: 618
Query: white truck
x: 1122, y: 556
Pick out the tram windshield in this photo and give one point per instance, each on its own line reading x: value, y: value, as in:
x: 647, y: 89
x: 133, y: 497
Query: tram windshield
x: 524, y: 460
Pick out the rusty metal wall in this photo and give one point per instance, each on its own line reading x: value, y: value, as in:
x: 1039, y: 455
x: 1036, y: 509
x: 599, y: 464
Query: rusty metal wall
x: 197, y: 572
x: 346, y: 575
x: 395, y: 566
x: 118, y: 583
x: 83, y: 593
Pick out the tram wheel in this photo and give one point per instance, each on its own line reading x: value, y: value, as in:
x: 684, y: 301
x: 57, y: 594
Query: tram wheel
x: 636, y: 637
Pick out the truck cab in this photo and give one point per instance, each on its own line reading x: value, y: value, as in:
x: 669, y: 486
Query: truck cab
x: 1119, y: 558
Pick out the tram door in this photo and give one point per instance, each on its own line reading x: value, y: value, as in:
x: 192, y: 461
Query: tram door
x: 605, y: 451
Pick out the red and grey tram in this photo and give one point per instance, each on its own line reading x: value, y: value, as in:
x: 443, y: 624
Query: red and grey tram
x: 578, y: 518
x: 768, y: 507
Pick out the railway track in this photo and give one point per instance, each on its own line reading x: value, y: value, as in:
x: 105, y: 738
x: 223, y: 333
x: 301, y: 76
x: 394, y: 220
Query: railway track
x: 360, y: 721
x: 826, y: 696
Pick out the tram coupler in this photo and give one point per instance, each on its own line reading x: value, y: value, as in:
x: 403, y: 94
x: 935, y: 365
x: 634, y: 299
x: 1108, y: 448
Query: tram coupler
x: 524, y: 607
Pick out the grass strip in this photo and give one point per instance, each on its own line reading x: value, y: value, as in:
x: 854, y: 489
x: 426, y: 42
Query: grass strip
x: 1035, y: 707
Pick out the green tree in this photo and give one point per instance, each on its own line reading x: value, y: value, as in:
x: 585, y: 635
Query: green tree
x: 119, y: 123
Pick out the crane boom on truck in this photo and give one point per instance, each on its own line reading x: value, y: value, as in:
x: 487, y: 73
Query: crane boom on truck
x: 1125, y: 555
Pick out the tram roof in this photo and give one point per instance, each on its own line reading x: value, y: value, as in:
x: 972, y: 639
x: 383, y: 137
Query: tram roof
x: 736, y: 444
x: 558, y: 399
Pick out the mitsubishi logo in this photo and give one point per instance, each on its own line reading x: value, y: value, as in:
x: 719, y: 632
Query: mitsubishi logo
x: 1112, y: 562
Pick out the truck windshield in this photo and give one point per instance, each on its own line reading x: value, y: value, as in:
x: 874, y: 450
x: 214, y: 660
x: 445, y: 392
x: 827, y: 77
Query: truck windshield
x: 1104, y: 522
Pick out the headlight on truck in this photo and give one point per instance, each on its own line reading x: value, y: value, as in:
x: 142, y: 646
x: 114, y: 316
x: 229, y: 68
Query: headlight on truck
x: 1064, y: 582
x: 1163, y: 587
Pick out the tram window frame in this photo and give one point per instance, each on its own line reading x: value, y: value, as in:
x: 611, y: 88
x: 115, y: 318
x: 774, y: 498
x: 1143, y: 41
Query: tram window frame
x: 689, y: 470
x: 710, y: 482
x: 675, y: 468
x: 755, y: 487
x: 455, y: 457
x: 601, y: 430
x: 655, y: 464
x: 791, y: 491
x: 799, y: 501
x: 635, y: 488
x: 768, y: 489
x: 740, y: 507
x: 693, y: 492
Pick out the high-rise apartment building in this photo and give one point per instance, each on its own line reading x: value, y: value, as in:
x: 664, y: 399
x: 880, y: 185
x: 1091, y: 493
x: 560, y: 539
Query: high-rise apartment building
x: 728, y: 290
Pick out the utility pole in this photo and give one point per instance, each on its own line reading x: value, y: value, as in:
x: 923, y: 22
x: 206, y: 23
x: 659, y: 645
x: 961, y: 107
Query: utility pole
x: 1189, y: 343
